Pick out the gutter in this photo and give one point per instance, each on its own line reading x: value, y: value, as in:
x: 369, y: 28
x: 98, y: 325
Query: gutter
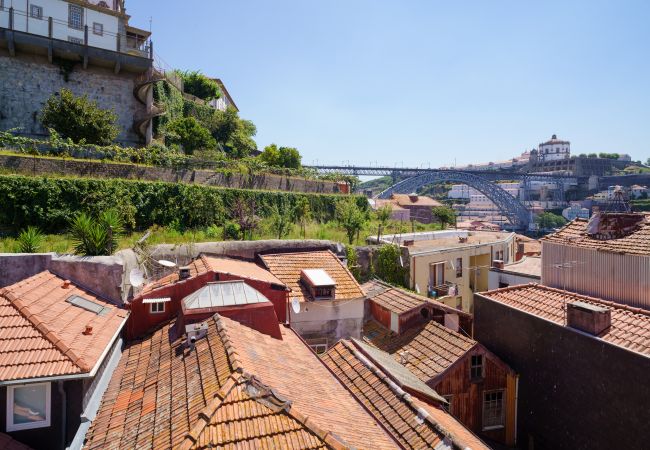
x: 90, y: 374
x: 447, y: 249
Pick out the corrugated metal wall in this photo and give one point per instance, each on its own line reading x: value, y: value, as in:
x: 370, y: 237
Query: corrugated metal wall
x: 620, y: 278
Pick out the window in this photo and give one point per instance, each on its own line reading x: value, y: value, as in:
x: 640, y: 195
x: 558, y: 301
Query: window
x: 449, y: 406
x: 476, y: 367
x: 98, y: 29
x: 323, y: 292
x: 459, y: 267
x: 318, y: 345
x: 75, y: 17
x: 157, y: 308
x: 437, y: 274
x: 28, y: 406
x: 75, y: 40
x: 36, y: 11
x: 493, y: 412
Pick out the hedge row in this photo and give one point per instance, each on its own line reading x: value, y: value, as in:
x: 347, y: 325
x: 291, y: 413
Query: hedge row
x: 48, y: 203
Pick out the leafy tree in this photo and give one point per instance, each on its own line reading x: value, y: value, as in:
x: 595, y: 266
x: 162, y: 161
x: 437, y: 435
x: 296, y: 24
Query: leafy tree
x: 281, y: 219
x: 197, y: 84
x: 353, y: 262
x: 30, y: 240
x: 302, y: 214
x: 350, y: 217
x: 79, y: 119
x: 444, y: 214
x: 609, y: 155
x: 592, y: 155
x: 93, y: 237
x: 288, y: 157
x: 548, y: 220
x: 232, y: 132
x: 389, y: 268
x: 189, y: 133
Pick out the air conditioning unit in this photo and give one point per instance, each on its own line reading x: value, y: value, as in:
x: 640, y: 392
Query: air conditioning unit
x: 195, y: 332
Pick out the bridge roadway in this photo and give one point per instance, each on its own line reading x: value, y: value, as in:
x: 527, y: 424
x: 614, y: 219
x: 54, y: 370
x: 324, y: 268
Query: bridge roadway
x: 395, y: 172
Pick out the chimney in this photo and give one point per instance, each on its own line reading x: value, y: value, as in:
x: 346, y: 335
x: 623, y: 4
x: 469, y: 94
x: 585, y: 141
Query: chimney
x: 589, y: 318
x: 409, y: 242
x: 183, y: 273
x: 88, y: 331
x: 195, y: 332
x: 66, y: 284
x: 498, y: 264
x: 404, y: 357
x: 414, y: 198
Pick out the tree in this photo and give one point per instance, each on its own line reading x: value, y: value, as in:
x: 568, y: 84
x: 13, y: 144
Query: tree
x: 350, y: 217
x: 281, y: 219
x: 243, y: 213
x: 383, y: 215
x: 96, y: 236
x: 389, y: 268
x: 232, y: 132
x: 30, y: 240
x: 302, y: 214
x: 189, y: 133
x: 198, y: 85
x: 444, y: 214
x: 288, y: 157
x: 79, y: 119
x: 548, y: 220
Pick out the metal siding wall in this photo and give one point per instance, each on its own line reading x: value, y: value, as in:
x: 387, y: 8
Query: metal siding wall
x: 620, y: 278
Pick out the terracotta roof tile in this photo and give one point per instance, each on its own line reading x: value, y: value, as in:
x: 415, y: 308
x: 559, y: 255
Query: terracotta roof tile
x: 391, y: 406
x: 8, y: 443
x: 239, y: 268
x: 41, y: 334
x: 394, y: 300
x: 422, y: 200
x: 232, y: 390
x: 197, y: 267
x: 431, y: 347
x: 575, y: 235
x: 630, y: 326
x: 287, y: 267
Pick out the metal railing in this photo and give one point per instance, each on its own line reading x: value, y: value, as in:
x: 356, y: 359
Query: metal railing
x: 84, y: 35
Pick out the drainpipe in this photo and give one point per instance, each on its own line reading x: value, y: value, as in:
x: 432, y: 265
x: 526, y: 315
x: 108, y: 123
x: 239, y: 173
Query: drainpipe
x: 64, y: 421
x: 516, y: 405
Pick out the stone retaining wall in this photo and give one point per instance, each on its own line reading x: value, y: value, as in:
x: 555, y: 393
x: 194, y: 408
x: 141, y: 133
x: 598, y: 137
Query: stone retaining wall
x: 27, y: 165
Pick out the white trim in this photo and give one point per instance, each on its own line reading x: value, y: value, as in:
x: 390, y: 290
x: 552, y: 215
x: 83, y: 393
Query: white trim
x: 156, y: 300
x: 30, y: 425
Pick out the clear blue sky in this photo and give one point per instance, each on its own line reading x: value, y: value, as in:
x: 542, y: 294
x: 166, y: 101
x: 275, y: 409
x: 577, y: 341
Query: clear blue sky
x: 420, y: 81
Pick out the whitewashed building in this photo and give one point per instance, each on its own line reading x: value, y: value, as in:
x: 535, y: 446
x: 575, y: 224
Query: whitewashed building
x: 554, y: 149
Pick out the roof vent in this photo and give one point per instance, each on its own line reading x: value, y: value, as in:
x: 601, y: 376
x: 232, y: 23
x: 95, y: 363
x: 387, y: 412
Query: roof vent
x: 589, y: 318
x: 88, y: 330
x: 66, y: 284
x: 414, y: 198
x: 195, y: 332
x: 320, y: 285
x: 184, y: 273
x: 404, y: 357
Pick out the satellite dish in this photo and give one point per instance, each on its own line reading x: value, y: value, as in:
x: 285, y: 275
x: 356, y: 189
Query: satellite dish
x: 136, y: 277
x: 295, y: 305
x: 165, y: 263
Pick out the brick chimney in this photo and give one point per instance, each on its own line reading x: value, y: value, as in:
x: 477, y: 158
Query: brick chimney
x: 589, y: 318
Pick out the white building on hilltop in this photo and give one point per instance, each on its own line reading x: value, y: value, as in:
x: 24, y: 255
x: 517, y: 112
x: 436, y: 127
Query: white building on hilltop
x: 554, y: 149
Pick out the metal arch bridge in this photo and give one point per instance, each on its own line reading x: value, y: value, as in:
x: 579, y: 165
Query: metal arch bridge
x: 482, y: 180
x: 509, y: 206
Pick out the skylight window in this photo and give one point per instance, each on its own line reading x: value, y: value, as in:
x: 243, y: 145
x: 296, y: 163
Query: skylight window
x: 88, y: 305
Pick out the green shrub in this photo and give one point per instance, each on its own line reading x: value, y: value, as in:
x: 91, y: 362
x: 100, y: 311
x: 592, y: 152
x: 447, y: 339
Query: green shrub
x: 231, y: 232
x: 79, y: 119
x: 96, y: 236
x: 389, y: 268
x: 288, y: 157
x: 190, y: 134
x: 353, y: 262
x: 30, y: 240
x: 198, y: 85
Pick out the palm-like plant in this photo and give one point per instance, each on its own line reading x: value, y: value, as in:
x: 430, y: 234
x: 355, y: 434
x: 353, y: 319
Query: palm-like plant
x: 93, y: 237
x: 30, y: 240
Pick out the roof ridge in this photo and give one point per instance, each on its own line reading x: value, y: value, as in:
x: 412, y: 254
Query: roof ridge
x: 45, y: 331
x: 203, y: 257
x: 609, y: 303
x: 401, y: 393
x: 231, y: 351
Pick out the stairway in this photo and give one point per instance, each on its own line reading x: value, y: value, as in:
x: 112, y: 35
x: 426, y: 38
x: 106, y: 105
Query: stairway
x: 141, y: 91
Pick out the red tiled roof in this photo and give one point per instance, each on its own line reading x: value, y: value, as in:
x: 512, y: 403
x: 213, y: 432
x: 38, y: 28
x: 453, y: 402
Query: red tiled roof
x: 163, y: 395
x: 41, y: 334
x: 8, y: 443
x: 422, y: 200
x: 241, y: 269
x: 432, y: 348
x: 287, y: 267
x: 630, y: 326
x: 395, y: 300
x: 575, y: 234
x: 197, y: 267
x: 391, y: 406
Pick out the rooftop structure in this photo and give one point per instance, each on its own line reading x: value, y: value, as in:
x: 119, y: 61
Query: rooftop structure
x: 526, y: 270
x: 415, y: 424
x: 606, y: 257
x: 250, y: 390
x: 580, y: 358
x: 224, y: 293
x: 455, y: 365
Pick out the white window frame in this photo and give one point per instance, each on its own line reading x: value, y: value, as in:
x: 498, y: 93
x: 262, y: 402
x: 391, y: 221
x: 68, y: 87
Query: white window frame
x: 71, y: 24
x: 98, y: 29
x: 157, y: 311
x: 39, y: 11
x: 472, y: 366
x: 503, y: 410
x: 11, y: 426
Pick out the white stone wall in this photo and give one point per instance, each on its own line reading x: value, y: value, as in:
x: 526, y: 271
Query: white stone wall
x: 27, y: 83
